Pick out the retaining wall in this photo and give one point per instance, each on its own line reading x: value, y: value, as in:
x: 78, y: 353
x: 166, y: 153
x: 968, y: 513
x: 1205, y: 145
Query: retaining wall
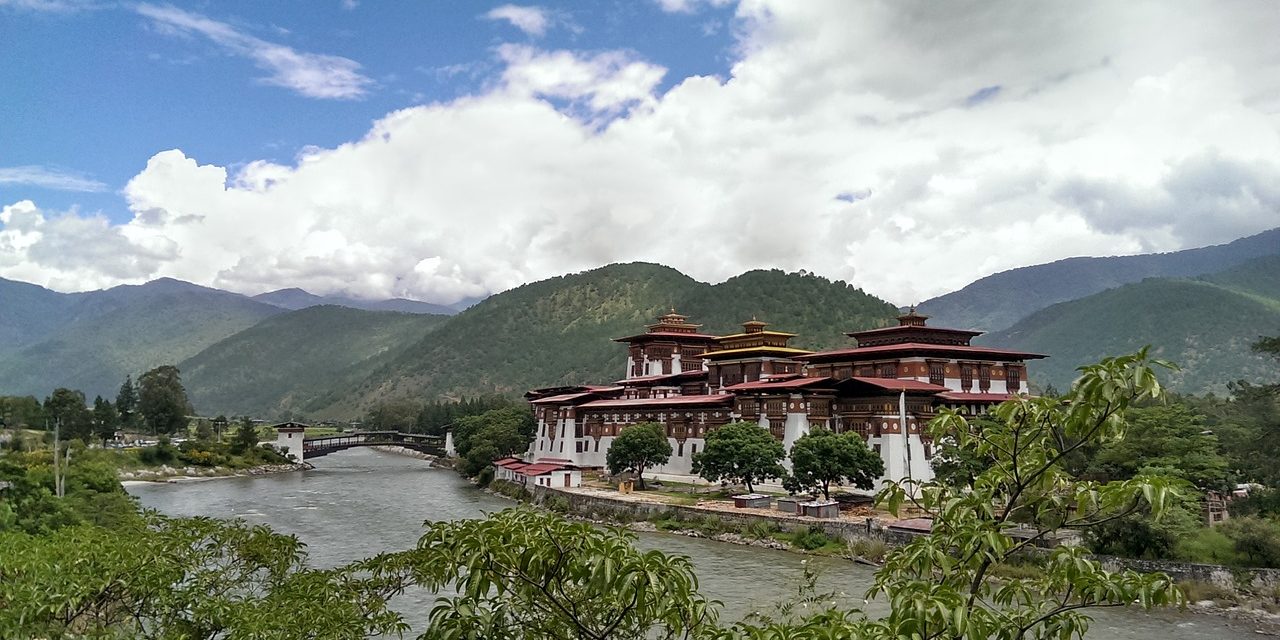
x: 604, y: 507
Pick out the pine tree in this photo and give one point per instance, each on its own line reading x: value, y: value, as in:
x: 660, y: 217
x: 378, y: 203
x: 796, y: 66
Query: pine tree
x: 127, y: 403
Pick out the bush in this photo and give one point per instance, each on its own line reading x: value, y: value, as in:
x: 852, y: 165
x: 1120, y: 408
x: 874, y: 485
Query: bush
x: 1208, y: 545
x: 761, y: 530
x: 811, y: 540
x: 556, y: 503
x: 1257, y: 540
x: 872, y: 549
x: 485, y: 476
x: 1196, y: 591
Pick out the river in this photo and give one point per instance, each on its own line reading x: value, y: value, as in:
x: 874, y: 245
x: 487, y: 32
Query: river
x: 361, y: 502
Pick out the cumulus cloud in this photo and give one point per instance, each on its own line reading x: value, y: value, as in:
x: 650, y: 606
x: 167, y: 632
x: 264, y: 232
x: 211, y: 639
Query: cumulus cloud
x: 533, y: 21
x: 310, y: 74
x: 49, y: 178
x: 909, y: 148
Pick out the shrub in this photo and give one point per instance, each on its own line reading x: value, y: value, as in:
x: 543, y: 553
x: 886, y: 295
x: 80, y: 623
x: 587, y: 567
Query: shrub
x: 556, y: 503
x: 1208, y: 545
x: 872, y: 549
x: 761, y: 530
x: 1257, y: 540
x: 485, y: 476
x: 812, y: 539
x: 1195, y: 591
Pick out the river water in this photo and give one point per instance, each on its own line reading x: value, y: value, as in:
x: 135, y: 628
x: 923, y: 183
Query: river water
x: 361, y: 502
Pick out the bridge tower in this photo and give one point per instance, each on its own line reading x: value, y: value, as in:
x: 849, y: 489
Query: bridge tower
x: 289, y: 437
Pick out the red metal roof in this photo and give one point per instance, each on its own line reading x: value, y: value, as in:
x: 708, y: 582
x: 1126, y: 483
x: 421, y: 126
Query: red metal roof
x: 722, y: 398
x: 665, y: 334
x: 900, y: 384
x: 658, y: 378
x: 960, y: 396
x: 538, y: 469
x: 881, y: 350
x: 568, y: 397
x: 768, y: 385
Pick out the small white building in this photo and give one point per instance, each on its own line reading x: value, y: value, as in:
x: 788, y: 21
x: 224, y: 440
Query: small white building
x: 542, y: 473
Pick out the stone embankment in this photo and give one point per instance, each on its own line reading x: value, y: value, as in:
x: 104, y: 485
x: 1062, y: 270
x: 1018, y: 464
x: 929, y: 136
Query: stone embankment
x: 167, y: 473
x: 402, y: 451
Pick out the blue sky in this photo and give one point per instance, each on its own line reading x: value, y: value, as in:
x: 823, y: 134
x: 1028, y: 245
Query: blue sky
x: 446, y: 150
x: 94, y: 91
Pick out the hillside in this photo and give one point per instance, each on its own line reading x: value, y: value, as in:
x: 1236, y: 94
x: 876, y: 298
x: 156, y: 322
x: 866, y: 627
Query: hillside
x: 293, y: 358
x: 1205, y: 325
x: 998, y: 301
x: 294, y: 299
x: 29, y: 312
x: 102, y: 336
x: 560, y: 331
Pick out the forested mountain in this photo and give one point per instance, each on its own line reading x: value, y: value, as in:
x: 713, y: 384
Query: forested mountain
x: 29, y: 312
x: 998, y: 301
x: 294, y: 299
x: 559, y: 331
x: 93, y: 340
x: 293, y: 359
x: 1205, y: 324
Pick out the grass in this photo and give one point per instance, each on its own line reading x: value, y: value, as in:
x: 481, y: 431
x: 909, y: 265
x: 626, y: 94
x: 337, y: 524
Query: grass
x: 1195, y: 591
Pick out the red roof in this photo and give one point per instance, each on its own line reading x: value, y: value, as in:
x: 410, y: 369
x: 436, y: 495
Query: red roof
x: 902, y: 327
x: 665, y: 334
x: 960, y: 396
x: 567, y: 397
x: 722, y: 398
x: 880, y: 350
x: 699, y: 373
x: 769, y: 385
x: 538, y: 469
x: 900, y: 384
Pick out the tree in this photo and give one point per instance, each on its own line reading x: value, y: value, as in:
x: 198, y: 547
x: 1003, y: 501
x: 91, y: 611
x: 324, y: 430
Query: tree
x: 740, y: 453
x: 105, y: 419
x: 637, y: 448
x: 939, y: 585
x: 246, y: 438
x: 127, y: 403
x: 68, y: 407
x: 494, y: 434
x: 162, y: 400
x: 528, y: 574
x: 1171, y: 437
x: 1256, y: 539
x: 822, y: 457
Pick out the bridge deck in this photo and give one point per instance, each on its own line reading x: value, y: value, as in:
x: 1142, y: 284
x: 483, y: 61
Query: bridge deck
x: 323, y: 445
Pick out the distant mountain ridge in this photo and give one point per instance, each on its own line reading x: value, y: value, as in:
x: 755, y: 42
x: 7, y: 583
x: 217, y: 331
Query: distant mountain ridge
x: 998, y: 301
x: 1205, y: 325
x: 295, y: 298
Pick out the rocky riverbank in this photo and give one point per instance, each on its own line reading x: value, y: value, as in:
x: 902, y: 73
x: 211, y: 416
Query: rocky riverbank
x: 166, y: 473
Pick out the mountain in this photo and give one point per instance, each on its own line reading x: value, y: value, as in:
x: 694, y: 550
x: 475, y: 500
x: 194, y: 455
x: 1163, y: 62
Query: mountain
x: 294, y: 299
x: 293, y: 359
x: 1205, y: 325
x: 93, y: 340
x: 29, y: 312
x: 998, y: 301
x: 560, y: 331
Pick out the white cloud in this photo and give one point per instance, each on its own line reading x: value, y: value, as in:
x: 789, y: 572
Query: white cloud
x: 907, y: 148
x: 48, y: 178
x: 688, y: 6
x: 48, y: 6
x: 310, y: 74
x: 533, y: 21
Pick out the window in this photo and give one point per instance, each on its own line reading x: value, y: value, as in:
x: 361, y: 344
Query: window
x: 937, y: 373
x: 966, y: 377
x: 889, y: 370
x: 984, y: 377
x: 1014, y: 379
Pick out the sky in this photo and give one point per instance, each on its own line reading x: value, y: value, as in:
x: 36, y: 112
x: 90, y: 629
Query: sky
x: 447, y: 150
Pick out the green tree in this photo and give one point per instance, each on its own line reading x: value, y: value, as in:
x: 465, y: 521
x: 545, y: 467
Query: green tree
x: 69, y: 407
x: 105, y: 419
x: 481, y: 439
x: 162, y: 400
x: 822, y: 457
x: 740, y: 453
x: 1172, y: 437
x: 1258, y: 540
x: 637, y: 448
x: 127, y: 403
x: 527, y: 574
x: 193, y: 578
x: 21, y: 411
x: 246, y: 438
x: 939, y: 586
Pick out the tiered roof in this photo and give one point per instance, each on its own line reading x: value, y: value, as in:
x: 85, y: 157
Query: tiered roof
x: 754, y: 342
x: 669, y: 326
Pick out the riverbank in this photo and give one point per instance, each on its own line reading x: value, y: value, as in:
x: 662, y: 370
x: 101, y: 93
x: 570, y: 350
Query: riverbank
x: 166, y: 473
x: 1248, y: 596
